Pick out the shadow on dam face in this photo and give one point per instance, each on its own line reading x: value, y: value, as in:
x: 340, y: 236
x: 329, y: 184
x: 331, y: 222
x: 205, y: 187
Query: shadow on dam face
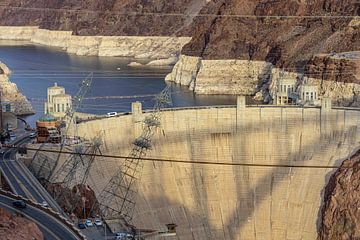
x: 232, y: 202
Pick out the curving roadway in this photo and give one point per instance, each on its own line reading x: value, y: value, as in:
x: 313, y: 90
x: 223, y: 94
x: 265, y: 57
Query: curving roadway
x: 23, y: 183
x: 51, y: 227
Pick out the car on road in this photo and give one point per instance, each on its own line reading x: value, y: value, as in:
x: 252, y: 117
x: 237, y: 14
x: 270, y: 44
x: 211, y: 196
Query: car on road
x: 44, y: 204
x: 33, y: 135
x: 19, y: 204
x: 81, y: 225
x: 98, y: 222
x: 88, y: 223
x: 112, y: 114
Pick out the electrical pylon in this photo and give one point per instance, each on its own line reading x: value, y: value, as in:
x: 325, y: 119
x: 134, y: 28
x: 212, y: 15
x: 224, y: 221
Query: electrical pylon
x: 52, y: 163
x: 117, y: 199
x: 75, y: 170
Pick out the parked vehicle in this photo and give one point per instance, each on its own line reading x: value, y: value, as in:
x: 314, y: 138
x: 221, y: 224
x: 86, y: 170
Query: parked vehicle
x: 81, y: 225
x: 98, y: 222
x: 88, y: 223
x: 19, y: 204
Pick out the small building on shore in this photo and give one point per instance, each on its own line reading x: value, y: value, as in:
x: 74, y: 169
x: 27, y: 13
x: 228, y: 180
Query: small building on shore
x: 58, y: 102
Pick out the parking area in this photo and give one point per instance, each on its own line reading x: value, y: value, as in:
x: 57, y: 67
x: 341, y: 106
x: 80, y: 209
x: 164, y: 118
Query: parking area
x: 97, y: 233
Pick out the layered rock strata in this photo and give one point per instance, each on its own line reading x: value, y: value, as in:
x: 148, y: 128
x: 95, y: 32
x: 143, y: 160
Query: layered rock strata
x: 340, y: 214
x: 19, y: 104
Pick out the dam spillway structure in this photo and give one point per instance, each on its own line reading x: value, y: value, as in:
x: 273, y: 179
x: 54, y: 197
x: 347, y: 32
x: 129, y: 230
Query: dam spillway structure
x: 231, y: 201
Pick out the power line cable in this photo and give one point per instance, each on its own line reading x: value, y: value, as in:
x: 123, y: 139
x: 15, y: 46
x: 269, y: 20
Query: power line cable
x: 147, y: 159
x: 135, y: 13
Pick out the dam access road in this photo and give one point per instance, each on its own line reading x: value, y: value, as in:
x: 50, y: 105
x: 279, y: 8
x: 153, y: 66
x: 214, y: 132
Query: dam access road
x: 26, y: 186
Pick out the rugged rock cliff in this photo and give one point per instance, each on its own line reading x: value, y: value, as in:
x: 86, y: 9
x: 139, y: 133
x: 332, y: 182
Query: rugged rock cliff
x: 287, y: 41
x: 107, y: 17
x: 227, y: 29
x: 284, y: 33
x: 10, y: 92
x: 15, y: 227
x: 340, y: 214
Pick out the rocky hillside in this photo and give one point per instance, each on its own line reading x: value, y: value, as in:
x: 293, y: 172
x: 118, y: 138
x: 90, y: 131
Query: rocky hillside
x: 219, y: 33
x: 15, y: 227
x: 335, y: 67
x: 286, y: 42
x: 340, y: 215
x: 103, y: 17
x: 10, y: 92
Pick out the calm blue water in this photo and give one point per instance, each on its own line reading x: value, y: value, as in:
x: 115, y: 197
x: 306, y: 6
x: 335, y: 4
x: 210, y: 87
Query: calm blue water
x: 35, y: 68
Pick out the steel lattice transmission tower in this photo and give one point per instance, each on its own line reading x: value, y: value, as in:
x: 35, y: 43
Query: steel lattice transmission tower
x: 76, y: 169
x: 51, y: 164
x: 117, y: 199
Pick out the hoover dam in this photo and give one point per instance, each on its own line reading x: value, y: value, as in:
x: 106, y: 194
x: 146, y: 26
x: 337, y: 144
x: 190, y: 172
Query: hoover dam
x: 278, y: 198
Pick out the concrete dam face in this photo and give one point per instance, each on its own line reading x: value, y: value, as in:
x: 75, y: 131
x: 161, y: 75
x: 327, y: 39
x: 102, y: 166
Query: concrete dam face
x: 231, y: 202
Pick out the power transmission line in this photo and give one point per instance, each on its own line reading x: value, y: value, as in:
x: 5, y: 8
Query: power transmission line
x: 134, y: 13
x: 168, y: 160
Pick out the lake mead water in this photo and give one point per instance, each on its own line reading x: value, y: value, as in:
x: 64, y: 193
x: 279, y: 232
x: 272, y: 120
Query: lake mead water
x: 35, y: 68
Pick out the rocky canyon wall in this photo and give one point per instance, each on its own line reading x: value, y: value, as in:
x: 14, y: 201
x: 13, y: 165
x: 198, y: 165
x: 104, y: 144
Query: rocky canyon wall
x: 341, y: 210
x: 10, y: 92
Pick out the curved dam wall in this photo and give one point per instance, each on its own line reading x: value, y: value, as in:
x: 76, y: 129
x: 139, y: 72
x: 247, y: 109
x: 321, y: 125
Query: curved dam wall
x: 232, y: 202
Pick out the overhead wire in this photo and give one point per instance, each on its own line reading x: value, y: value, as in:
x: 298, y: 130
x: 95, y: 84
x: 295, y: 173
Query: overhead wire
x: 169, y: 160
x: 138, y: 13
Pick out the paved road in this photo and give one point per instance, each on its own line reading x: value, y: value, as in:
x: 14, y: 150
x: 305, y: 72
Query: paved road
x: 20, y: 179
x: 23, y: 183
x: 52, y: 228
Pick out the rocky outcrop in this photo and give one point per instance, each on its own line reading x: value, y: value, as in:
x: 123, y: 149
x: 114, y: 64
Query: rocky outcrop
x: 16, y: 227
x: 336, y: 67
x: 340, y: 214
x: 286, y: 42
x: 77, y: 201
x: 19, y: 104
x: 185, y: 71
x: 337, y: 76
x: 232, y: 77
x: 102, y: 17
